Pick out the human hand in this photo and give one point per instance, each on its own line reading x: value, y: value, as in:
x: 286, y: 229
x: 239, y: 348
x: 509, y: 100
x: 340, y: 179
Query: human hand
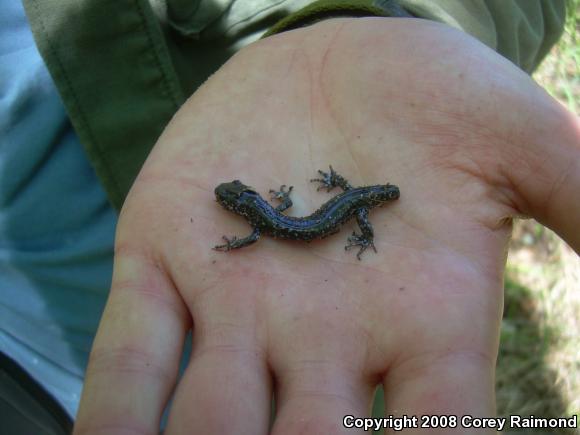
x: 459, y: 130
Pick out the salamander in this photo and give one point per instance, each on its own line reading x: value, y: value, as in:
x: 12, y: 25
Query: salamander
x: 353, y: 202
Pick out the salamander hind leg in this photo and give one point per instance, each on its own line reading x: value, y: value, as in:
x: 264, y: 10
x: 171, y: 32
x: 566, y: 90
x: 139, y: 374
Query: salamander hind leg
x: 360, y: 240
x: 365, y: 239
x: 235, y: 243
x: 330, y: 180
x: 284, y: 196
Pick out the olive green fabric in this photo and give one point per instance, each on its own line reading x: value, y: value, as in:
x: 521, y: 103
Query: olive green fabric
x: 325, y: 9
x: 110, y: 64
x: 521, y: 30
x: 123, y: 71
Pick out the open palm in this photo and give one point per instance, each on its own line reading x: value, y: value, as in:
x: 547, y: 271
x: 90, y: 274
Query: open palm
x: 408, y: 102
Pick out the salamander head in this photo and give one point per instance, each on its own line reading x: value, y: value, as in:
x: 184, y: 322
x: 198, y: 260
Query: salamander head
x: 234, y: 196
x: 391, y: 192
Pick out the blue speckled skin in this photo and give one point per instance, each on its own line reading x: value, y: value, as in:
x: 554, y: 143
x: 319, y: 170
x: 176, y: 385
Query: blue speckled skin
x: 265, y: 219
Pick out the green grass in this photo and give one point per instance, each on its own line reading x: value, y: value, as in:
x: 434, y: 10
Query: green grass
x: 527, y: 381
x: 559, y: 74
x: 538, y: 370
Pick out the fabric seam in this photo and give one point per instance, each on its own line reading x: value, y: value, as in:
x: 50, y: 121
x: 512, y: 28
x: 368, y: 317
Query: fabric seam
x: 164, y: 75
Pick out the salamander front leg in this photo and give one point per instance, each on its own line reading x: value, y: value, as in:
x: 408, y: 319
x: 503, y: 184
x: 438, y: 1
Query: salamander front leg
x: 284, y: 196
x: 365, y: 239
x: 330, y: 180
x: 235, y: 243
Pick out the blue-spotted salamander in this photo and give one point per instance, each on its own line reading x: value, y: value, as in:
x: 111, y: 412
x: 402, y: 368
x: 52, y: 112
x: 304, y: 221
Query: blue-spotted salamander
x: 327, y: 220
